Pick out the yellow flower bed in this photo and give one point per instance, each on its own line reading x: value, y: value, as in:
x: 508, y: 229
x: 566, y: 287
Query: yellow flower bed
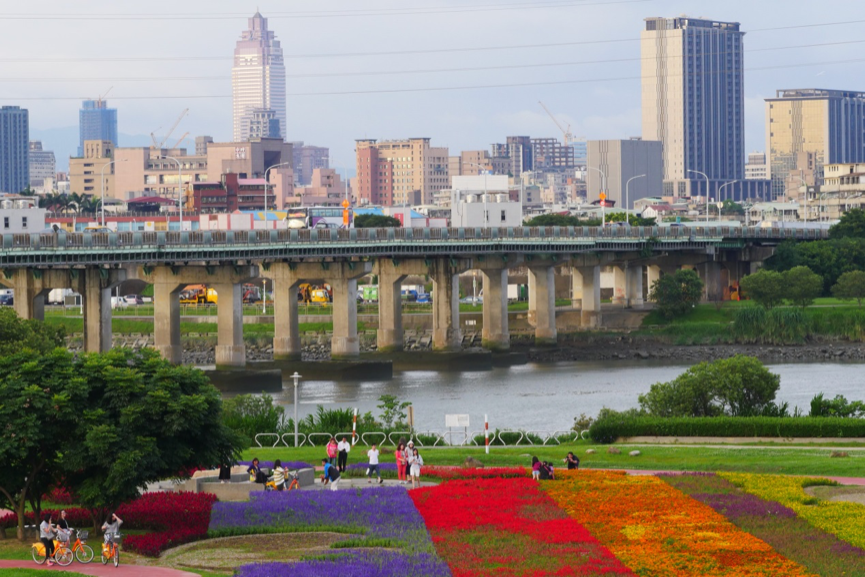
x: 842, y: 519
x: 658, y: 531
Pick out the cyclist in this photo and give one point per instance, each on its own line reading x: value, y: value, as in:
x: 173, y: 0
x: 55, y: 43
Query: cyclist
x: 278, y: 475
x: 46, y: 535
x: 111, y: 526
x: 63, y: 529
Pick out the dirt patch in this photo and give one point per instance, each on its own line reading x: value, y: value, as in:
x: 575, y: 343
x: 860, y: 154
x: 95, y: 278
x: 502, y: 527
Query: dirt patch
x: 225, y: 554
x: 849, y: 494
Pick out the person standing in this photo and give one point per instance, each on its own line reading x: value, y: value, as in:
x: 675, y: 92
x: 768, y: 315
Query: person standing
x: 372, y: 455
x: 343, y: 447
x: 415, y: 463
x: 332, y: 450
x: 400, y: 463
x: 572, y: 461
x: 278, y: 476
x: 536, y: 468
x: 225, y: 473
x: 331, y: 475
x: 46, y: 536
x: 408, y: 453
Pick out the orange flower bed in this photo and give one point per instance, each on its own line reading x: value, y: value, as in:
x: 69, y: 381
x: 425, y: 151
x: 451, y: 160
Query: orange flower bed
x: 659, y: 531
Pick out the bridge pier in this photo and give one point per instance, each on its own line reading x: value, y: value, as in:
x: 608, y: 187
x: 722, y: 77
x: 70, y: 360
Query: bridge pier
x: 230, y: 349
x: 447, y: 335
x: 620, y: 285
x: 96, y: 296
x: 591, y: 302
x: 495, y: 335
x: 710, y: 274
x: 542, y: 303
x: 635, y: 286
x: 344, y: 283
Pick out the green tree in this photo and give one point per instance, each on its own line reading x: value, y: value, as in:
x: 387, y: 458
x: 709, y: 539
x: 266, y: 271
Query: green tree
x: 543, y: 220
x: 837, y: 407
x: 689, y: 395
x: 17, y: 334
x: 677, y: 294
x: 376, y: 221
x: 764, y: 287
x: 633, y: 219
x: 851, y: 225
x: 731, y: 207
x: 850, y: 286
x: 392, y: 411
x: 249, y: 415
x: 144, y: 420
x: 802, y: 286
x: 41, y: 399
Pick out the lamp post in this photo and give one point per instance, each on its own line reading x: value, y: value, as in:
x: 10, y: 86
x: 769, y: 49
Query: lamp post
x: 603, y: 190
x: 102, y: 181
x: 180, y: 195
x: 723, y: 186
x: 267, y: 184
x: 627, y: 196
x: 296, y: 378
x: 703, y: 174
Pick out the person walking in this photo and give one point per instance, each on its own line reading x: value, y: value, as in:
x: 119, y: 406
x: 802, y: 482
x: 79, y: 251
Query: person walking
x: 400, y: 463
x: 331, y: 475
x: 46, y: 536
x: 372, y: 455
x: 343, y: 447
x: 415, y: 463
x: 332, y: 450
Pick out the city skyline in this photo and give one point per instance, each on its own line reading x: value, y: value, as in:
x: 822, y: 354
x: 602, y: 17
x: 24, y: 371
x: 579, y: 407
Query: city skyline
x: 459, y: 119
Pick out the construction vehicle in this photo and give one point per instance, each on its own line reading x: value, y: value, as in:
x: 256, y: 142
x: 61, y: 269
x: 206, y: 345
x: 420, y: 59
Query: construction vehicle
x: 198, y: 294
x: 316, y: 294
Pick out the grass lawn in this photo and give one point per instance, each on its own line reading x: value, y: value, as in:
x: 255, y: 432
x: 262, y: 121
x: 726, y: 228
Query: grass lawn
x: 73, y: 325
x: 780, y: 460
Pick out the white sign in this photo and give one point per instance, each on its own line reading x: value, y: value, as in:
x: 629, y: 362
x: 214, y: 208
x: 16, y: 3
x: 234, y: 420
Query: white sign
x: 457, y: 421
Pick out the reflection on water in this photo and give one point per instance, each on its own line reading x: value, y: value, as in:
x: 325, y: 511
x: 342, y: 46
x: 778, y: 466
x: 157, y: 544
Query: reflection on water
x: 547, y: 396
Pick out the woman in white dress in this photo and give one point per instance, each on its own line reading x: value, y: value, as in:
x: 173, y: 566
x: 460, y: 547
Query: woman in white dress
x: 415, y: 461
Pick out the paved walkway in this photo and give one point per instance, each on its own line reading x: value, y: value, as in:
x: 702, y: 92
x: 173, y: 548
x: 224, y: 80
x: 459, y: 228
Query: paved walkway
x: 97, y: 569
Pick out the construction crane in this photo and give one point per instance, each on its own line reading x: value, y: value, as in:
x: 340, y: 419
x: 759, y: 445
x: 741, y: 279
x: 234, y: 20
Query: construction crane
x: 181, y: 139
x: 101, y: 98
x: 569, y: 137
x: 161, y: 143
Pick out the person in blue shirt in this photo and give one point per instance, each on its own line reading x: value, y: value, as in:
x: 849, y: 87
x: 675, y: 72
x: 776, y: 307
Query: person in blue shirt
x: 331, y: 474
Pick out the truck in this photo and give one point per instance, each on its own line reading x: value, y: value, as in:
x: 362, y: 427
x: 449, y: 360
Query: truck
x: 61, y: 296
x: 198, y: 294
x: 318, y: 294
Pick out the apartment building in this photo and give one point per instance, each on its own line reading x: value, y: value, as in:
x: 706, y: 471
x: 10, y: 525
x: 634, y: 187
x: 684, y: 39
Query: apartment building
x: 93, y: 172
x: 43, y: 165
x: 548, y: 154
x: 400, y: 172
x: 165, y: 172
x: 326, y: 188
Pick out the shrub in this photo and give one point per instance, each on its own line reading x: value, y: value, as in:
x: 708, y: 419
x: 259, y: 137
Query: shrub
x: 253, y: 414
x: 764, y: 287
x: 677, y: 294
x: 777, y: 326
x: 608, y: 430
x: 837, y: 407
x: 176, y: 518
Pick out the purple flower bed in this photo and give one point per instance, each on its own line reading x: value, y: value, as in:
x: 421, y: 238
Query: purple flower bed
x: 293, y: 465
x: 355, y: 564
x: 790, y: 535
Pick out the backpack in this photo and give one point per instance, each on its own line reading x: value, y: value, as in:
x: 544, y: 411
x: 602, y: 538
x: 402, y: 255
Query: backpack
x: 546, y: 471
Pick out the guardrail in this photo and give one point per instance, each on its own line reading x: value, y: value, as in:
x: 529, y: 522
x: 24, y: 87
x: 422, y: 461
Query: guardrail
x: 441, y: 438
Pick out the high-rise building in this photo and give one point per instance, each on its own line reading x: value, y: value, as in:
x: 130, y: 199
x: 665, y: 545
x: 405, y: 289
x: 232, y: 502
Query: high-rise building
x: 264, y: 124
x: 257, y: 79
x: 400, y: 172
x: 308, y: 158
x: 692, y: 85
x: 813, y: 126
x: 518, y: 149
x: 620, y: 161
x: 14, y: 149
x: 42, y: 164
x: 548, y: 154
x: 468, y: 163
x: 581, y: 152
x: 96, y: 122
x: 94, y: 164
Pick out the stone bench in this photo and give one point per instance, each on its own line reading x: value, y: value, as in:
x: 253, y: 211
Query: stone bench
x: 238, y: 488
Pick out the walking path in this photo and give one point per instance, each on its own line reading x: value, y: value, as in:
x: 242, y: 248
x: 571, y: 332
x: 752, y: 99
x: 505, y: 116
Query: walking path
x: 97, y: 569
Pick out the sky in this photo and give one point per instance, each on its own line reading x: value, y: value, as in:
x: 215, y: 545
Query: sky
x: 161, y: 57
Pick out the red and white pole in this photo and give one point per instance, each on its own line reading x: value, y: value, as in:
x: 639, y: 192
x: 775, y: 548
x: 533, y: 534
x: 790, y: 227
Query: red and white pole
x: 354, y: 428
x: 487, y: 434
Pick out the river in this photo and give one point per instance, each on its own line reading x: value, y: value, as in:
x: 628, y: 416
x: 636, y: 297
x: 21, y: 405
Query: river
x: 547, y: 396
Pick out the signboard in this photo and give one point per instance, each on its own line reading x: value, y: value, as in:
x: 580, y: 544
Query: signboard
x: 457, y: 421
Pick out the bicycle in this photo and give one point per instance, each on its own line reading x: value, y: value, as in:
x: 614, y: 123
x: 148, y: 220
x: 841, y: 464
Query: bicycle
x: 62, y: 555
x: 295, y: 484
x: 111, y: 549
x: 83, y: 552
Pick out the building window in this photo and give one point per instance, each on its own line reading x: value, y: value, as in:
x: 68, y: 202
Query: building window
x: 503, y: 216
x: 6, y: 222
x: 23, y: 222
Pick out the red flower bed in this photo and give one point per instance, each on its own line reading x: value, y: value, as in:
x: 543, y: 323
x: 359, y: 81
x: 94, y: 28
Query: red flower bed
x: 509, y: 527
x: 177, y: 518
x: 77, y: 517
x: 449, y: 473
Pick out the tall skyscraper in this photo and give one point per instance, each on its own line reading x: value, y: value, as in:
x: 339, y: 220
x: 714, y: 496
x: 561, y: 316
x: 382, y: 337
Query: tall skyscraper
x: 14, y: 149
x: 42, y: 164
x: 96, y: 122
x: 693, y: 101
x: 257, y: 79
x: 809, y: 128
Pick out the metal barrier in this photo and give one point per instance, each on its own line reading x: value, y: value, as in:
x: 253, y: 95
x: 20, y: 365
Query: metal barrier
x: 309, y: 437
x: 299, y: 435
x: 364, y: 441
x: 278, y: 438
x: 445, y: 437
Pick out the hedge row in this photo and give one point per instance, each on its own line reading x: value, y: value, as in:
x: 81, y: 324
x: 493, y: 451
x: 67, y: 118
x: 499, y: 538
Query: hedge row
x: 610, y: 429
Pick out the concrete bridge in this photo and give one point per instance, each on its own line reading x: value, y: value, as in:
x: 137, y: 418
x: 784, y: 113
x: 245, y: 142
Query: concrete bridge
x: 93, y: 264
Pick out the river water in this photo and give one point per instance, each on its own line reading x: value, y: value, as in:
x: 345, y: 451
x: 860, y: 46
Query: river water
x: 547, y: 396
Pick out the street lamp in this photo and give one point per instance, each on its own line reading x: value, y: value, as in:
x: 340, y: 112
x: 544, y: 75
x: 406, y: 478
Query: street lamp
x: 267, y: 184
x: 296, y: 378
x: 723, y: 186
x: 603, y: 190
x: 707, y: 191
x: 180, y: 195
x: 627, y: 195
x: 102, y: 179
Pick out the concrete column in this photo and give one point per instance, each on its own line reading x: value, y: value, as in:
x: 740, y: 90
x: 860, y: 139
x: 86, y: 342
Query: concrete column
x: 345, y: 342
x: 97, y: 311
x: 635, y: 286
x: 591, y: 305
x: 390, y: 332
x: 576, y: 288
x: 446, y: 307
x: 29, y: 294
x: 620, y: 285
x: 653, y: 273
x: 542, y: 304
x: 166, y: 321
x: 710, y: 273
x: 495, y: 335
x: 286, y: 333
x: 230, y: 350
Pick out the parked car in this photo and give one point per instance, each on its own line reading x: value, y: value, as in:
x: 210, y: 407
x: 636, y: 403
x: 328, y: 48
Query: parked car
x: 409, y: 295
x: 119, y: 303
x: 424, y: 298
x: 472, y: 300
x: 7, y: 300
x: 133, y: 300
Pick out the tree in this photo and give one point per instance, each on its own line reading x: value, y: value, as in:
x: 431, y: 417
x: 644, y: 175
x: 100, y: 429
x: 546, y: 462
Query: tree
x: 633, y: 219
x: 392, y: 411
x: 851, y: 225
x: 677, y: 294
x: 764, y: 287
x: 376, y: 221
x: 802, y: 286
x: 544, y: 220
x: 17, y: 334
x: 144, y: 420
x: 837, y: 407
x: 850, y: 286
x: 731, y: 207
x: 249, y: 415
x: 739, y: 386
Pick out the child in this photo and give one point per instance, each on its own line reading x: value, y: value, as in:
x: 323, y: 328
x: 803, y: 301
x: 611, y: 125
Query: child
x: 278, y: 475
x: 415, y: 462
x: 373, y: 465
x: 536, y: 469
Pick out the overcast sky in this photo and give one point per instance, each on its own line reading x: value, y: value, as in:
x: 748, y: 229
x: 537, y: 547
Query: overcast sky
x: 605, y: 103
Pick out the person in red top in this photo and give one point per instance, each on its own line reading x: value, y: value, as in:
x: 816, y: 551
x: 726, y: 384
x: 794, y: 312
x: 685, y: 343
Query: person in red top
x: 400, y: 463
x: 332, y: 451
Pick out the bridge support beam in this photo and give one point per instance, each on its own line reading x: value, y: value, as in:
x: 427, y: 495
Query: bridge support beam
x: 542, y: 304
x: 447, y: 335
x: 495, y: 335
x: 230, y: 349
x: 98, y: 284
x: 710, y: 274
x: 620, y: 285
x: 634, y: 286
x: 590, y: 316
x: 343, y: 279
